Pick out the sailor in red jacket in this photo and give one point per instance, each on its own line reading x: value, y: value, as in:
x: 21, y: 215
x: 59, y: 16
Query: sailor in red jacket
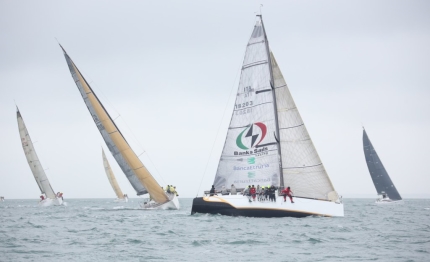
x: 287, y: 192
x: 252, y: 191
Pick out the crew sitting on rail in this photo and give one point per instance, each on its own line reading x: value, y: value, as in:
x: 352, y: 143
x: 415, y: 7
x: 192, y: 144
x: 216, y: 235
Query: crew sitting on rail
x: 174, y: 191
x: 233, y: 190
x: 224, y: 191
x: 212, y: 191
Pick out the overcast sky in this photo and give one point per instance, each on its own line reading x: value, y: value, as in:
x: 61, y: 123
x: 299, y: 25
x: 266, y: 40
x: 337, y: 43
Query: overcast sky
x: 168, y: 70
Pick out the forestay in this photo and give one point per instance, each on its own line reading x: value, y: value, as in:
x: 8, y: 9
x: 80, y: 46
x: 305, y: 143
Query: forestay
x: 139, y: 177
x: 33, y: 160
x: 111, y: 177
x: 380, y: 177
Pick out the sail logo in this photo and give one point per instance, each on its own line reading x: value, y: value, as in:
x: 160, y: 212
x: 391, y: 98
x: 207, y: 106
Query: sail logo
x: 253, y: 167
x: 251, y: 136
x: 24, y: 142
x: 251, y: 160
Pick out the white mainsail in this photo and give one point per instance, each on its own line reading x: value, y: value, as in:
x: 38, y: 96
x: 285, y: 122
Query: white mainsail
x: 251, y: 152
x: 140, y: 178
x: 33, y: 160
x: 111, y: 177
x: 267, y: 142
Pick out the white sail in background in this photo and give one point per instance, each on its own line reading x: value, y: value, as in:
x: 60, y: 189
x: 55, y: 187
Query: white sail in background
x: 111, y: 177
x: 302, y: 168
x: 33, y: 160
x: 140, y: 178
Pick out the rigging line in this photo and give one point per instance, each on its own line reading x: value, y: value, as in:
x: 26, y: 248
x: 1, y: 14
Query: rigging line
x: 155, y: 167
x: 120, y: 116
x: 143, y: 149
x: 128, y: 127
x: 219, y: 127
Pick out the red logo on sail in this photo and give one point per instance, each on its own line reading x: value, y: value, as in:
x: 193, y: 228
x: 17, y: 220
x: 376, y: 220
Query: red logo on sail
x: 255, y: 133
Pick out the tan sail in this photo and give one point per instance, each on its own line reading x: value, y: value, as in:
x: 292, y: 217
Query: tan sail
x: 111, y: 177
x: 134, y: 168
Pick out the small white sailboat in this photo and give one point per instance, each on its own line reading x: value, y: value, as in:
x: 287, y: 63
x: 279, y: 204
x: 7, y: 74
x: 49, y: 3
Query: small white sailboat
x: 1, y: 198
x: 48, y: 196
x: 267, y: 144
x: 112, y: 180
x: 140, y: 178
x: 387, y: 192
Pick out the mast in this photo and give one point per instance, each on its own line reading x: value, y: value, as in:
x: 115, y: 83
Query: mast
x: 272, y: 85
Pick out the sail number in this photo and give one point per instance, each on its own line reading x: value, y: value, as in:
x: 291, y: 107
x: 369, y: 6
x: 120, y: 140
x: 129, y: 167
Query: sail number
x: 243, y: 105
x: 248, y: 91
x: 244, y: 111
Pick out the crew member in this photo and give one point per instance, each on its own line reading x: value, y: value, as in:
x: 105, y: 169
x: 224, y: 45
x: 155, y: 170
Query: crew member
x: 252, y: 191
x: 287, y: 192
x: 233, y: 190
x: 212, y: 191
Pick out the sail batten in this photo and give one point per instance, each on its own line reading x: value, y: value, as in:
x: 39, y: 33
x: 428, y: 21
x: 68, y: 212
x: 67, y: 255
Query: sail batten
x: 33, y: 160
x: 139, y: 177
x: 378, y: 173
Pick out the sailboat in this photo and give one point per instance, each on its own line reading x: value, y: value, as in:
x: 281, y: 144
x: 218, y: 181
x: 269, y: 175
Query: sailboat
x: 140, y: 178
x: 267, y: 144
x: 112, y: 180
x: 385, y: 188
x: 48, y: 196
x: 1, y: 198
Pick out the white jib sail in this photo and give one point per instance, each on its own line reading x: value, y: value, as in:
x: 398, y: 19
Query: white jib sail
x: 33, y: 160
x: 111, y: 177
x: 302, y: 168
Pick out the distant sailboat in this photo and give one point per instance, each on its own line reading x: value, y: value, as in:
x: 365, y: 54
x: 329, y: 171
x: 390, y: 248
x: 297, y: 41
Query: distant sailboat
x: 112, y: 180
x: 267, y: 144
x: 140, y: 178
x: 48, y: 196
x: 384, y: 186
x: 1, y: 198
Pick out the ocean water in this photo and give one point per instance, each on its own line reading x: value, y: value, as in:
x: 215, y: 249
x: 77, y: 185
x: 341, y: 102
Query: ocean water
x: 101, y: 230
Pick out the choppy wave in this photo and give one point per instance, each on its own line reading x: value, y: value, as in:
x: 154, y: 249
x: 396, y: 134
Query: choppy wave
x: 99, y: 230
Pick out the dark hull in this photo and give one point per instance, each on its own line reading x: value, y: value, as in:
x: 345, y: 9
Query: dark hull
x: 201, y: 206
